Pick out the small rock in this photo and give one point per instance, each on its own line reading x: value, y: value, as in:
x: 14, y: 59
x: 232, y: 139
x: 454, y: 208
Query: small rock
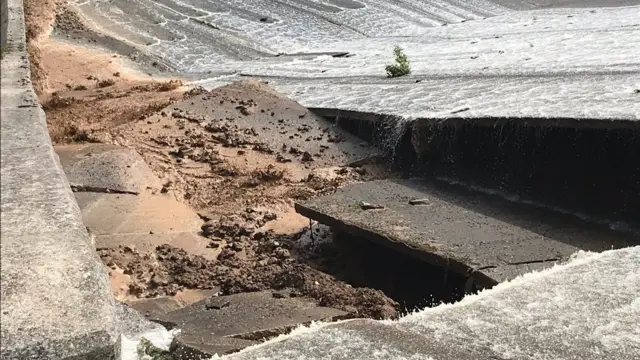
x: 159, y: 279
x: 209, y: 227
x: 216, y: 303
x: 419, y: 202
x: 282, y: 159
x: 306, y: 156
x: 244, y: 110
x: 270, y: 216
x: 279, y: 294
x: 237, y: 247
x: 282, y: 253
x: 367, y: 206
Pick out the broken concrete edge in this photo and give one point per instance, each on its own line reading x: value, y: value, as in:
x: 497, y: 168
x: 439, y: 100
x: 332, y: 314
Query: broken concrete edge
x: 56, y: 299
x: 459, y: 266
x: 488, y: 121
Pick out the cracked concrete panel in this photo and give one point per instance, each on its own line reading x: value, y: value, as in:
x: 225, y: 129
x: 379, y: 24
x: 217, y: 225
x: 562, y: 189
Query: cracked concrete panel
x: 454, y: 227
x: 106, y: 168
x: 224, y: 324
x: 145, y: 221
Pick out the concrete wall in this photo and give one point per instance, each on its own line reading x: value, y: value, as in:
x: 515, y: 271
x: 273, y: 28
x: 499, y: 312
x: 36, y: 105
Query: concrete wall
x: 56, y: 299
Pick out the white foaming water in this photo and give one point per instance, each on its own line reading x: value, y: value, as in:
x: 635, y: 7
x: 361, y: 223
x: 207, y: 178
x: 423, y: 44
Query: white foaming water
x: 159, y: 337
x: 541, y: 63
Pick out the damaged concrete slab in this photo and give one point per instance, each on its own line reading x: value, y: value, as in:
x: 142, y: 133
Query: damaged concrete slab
x: 323, y: 142
x: 538, y: 316
x: 106, y: 168
x: 226, y: 324
x: 484, y: 237
x: 122, y: 203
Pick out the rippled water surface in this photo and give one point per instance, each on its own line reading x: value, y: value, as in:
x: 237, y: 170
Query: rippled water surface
x: 480, y: 55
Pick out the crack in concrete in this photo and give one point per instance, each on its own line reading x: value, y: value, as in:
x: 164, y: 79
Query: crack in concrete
x: 98, y: 189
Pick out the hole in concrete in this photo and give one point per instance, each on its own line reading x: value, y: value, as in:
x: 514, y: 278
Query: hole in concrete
x: 413, y: 283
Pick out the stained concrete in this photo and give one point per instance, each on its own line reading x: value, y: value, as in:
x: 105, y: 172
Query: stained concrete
x: 122, y: 204
x: 470, y: 233
x: 145, y: 221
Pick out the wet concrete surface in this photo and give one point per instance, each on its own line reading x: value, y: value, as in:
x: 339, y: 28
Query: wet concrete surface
x: 122, y: 204
x: 471, y: 233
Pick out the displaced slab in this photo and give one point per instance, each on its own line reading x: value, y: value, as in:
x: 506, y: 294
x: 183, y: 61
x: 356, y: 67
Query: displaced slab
x: 538, y: 316
x: 223, y: 324
x: 155, y: 307
x: 486, y: 237
x: 106, y: 168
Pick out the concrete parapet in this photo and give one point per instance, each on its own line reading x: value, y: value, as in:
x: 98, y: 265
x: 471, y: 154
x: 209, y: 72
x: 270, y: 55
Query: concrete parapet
x: 56, y: 300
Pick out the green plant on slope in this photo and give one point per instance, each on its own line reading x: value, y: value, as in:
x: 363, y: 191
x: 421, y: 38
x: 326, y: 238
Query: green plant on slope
x: 401, y: 67
x: 146, y: 348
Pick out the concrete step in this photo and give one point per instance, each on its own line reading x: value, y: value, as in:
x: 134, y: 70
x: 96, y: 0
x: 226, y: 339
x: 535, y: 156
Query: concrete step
x: 485, y: 237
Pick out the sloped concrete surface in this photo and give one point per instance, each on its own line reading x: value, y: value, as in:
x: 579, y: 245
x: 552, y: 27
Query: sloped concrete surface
x: 586, y: 309
x: 56, y: 300
x: 543, y: 59
x: 106, y: 168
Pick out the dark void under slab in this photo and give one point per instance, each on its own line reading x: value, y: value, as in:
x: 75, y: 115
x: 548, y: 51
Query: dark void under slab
x: 471, y: 233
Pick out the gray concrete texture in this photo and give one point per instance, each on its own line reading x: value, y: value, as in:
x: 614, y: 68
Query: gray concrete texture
x: 224, y: 324
x: 56, y: 300
x: 485, y: 236
x: 106, y: 168
x: 121, y: 202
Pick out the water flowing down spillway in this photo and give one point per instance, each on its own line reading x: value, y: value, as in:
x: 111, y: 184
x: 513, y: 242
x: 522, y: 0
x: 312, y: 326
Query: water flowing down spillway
x: 488, y: 61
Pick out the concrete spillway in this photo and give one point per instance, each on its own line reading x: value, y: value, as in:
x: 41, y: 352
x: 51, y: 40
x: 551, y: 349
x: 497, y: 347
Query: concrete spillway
x: 488, y: 61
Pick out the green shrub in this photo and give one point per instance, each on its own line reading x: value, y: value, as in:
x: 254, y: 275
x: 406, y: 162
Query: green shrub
x: 401, y: 67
